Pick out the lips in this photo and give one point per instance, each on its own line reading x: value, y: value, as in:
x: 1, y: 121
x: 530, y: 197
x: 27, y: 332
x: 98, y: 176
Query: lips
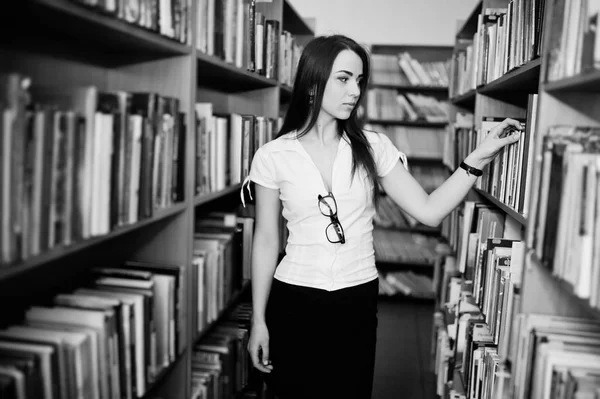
x: 350, y: 104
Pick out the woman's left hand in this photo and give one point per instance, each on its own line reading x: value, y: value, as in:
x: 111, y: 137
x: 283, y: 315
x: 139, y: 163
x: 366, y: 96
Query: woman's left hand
x: 493, y: 143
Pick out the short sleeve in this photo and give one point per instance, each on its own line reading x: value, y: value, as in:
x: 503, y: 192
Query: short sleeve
x: 262, y: 170
x: 386, y: 155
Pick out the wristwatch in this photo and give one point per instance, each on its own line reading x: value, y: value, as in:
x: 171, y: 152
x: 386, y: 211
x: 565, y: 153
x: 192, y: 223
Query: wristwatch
x: 471, y: 170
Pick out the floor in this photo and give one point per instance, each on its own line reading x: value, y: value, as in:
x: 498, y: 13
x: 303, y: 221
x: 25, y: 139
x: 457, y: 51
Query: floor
x: 402, y: 366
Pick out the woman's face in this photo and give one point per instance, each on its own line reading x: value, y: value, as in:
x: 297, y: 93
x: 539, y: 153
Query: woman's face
x: 342, y: 89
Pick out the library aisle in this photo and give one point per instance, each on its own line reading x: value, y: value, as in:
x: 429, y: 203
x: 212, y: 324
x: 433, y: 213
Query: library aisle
x: 402, y: 366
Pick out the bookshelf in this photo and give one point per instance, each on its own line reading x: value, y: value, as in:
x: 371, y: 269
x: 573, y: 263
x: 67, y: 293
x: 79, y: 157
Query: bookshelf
x: 490, y: 321
x: 408, y: 83
x: 74, y: 45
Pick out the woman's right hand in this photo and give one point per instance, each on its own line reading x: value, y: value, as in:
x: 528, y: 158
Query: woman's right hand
x: 258, y: 346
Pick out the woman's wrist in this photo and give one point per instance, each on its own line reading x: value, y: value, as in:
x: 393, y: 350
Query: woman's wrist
x: 475, y: 161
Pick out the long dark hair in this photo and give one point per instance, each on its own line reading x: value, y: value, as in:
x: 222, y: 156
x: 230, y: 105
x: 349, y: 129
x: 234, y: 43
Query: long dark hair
x: 314, y: 69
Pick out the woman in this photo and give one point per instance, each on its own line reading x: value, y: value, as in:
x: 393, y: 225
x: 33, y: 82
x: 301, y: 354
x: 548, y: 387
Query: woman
x: 314, y: 315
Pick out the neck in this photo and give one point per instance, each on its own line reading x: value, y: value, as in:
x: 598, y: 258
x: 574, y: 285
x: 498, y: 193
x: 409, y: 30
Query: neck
x: 325, y: 129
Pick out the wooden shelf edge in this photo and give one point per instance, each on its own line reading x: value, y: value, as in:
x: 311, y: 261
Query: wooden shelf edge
x: 464, y: 98
x: 508, y: 210
x: 500, y: 83
x: 407, y: 123
x: 472, y: 16
x: 240, y: 72
x: 88, y: 15
x: 404, y: 297
x: 409, y: 87
x: 204, y: 198
x: 162, y: 375
x: 297, y: 19
x: 62, y: 251
x: 573, y: 82
x: 234, y: 300
x: 565, y: 287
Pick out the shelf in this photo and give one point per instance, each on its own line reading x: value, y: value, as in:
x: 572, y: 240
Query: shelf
x: 469, y: 27
x: 407, y: 298
x: 62, y: 251
x: 466, y: 100
x: 285, y: 93
x: 419, y: 229
x: 205, y: 198
x: 582, y: 306
x: 213, y: 72
x: 588, y: 83
x: 234, y: 300
x: 162, y: 375
x: 424, y: 159
x: 293, y: 22
x: 508, y: 210
x: 90, y: 28
x: 524, y: 79
x: 431, y: 89
x: 407, y: 123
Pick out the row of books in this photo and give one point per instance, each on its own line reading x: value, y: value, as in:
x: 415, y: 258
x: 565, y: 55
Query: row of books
x: 221, y: 261
x: 221, y: 366
x: 478, y: 293
x: 225, y: 145
x: 78, y: 162
x: 405, y: 283
x: 110, y: 338
x: 415, y: 142
x: 404, y: 70
x: 389, y: 105
x: 506, y: 38
x: 234, y: 31
x: 573, y: 43
x: 394, y: 246
x: 567, y: 228
x: 508, y: 176
x: 169, y: 18
x: 485, y: 347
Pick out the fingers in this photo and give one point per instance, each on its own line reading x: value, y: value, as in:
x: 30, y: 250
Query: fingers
x: 507, y: 123
x: 265, y: 356
x: 264, y: 365
x: 513, y: 138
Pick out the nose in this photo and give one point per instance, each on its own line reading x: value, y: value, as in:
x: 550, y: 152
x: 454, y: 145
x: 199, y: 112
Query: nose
x: 354, y: 89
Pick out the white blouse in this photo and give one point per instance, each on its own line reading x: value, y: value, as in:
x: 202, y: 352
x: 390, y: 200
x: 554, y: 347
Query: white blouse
x: 311, y: 260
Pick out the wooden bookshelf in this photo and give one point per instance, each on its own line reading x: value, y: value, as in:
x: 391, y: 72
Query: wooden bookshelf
x: 411, y: 88
x: 469, y: 25
x: 85, y: 24
x: 584, y: 83
x: 507, y: 209
x: 228, y: 307
x: 206, y: 198
x: 465, y: 100
x: 416, y: 123
x: 71, y: 45
x: 522, y: 79
x: 569, y: 101
x: 59, y: 252
x: 213, y: 72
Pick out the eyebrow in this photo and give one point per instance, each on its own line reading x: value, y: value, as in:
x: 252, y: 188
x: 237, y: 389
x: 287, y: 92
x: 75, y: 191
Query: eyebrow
x: 349, y: 73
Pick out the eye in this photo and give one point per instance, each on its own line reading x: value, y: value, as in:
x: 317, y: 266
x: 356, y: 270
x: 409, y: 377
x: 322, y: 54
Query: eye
x: 343, y: 79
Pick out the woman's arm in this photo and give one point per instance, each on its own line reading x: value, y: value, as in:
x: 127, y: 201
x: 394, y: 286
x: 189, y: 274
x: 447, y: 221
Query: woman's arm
x: 433, y: 208
x: 265, y: 250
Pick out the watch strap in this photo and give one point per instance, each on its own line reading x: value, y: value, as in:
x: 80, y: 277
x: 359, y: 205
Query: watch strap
x: 471, y: 170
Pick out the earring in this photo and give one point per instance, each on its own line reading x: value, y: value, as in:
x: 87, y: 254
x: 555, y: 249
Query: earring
x: 311, y: 99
